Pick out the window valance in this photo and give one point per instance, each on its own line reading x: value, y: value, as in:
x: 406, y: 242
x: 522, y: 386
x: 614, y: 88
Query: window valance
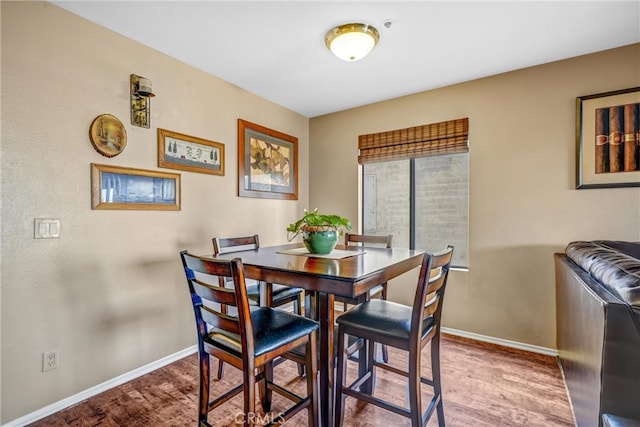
x: 434, y: 139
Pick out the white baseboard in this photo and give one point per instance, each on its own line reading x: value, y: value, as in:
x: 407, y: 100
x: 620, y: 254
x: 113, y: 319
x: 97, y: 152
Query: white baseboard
x: 90, y: 392
x: 499, y: 341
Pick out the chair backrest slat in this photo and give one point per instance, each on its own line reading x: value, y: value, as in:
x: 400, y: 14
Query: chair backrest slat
x: 221, y: 295
x: 220, y: 320
x: 368, y: 240
x: 430, y: 291
x: 436, y: 281
x: 431, y: 306
x: 225, y: 245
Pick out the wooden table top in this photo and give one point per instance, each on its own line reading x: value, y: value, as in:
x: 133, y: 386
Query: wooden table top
x: 349, y: 276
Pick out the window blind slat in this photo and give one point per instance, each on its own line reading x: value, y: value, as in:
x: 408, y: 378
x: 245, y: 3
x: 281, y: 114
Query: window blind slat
x: 434, y: 139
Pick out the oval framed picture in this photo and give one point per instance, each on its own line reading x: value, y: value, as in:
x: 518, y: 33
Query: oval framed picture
x: 108, y: 135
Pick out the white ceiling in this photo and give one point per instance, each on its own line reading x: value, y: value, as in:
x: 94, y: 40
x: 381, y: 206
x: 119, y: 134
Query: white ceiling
x: 276, y: 49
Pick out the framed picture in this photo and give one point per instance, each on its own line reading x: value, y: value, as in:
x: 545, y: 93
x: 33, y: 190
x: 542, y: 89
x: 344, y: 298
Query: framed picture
x: 189, y: 153
x: 108, y: 135
x: 267, y: 162
x: 607, y: 139
x: 115, y: 187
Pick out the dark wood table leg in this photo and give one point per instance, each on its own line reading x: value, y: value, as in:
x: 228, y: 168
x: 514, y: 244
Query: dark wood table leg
x: 326, y: 318
x: 266, y: 294
x: 266, y: 300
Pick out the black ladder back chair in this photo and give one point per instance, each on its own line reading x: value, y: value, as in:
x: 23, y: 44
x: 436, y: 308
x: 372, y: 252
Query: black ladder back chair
x: 379, y: 291
x: 249, y: 341
x: 281, y: 294
x: 403, y: 327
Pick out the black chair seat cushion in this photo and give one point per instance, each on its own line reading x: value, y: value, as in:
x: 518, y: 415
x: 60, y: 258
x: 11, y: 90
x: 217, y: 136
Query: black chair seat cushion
x: 278, y: 292
x: 271, y: 329
x: 382, y: 318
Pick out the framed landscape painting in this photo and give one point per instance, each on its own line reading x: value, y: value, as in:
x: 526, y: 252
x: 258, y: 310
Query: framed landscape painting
x: 607, y: 139
x: 189, y: 153
x: 267, y: 162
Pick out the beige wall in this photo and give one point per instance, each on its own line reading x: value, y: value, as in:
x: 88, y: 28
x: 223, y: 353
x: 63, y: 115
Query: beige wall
x: 523, y: 205
x: 109, y: 295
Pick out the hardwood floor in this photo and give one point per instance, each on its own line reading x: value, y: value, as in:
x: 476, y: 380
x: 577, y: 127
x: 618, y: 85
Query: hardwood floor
x: 483, y: 385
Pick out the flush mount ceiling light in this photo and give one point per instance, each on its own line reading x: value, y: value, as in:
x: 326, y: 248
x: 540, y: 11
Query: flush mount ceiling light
x: 351, y: 42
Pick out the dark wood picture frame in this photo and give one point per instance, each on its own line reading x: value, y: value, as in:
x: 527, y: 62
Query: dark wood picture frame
x: 607, y: 139
x: 116, y: 187
x: 189, y: 153
x: 267, y: 162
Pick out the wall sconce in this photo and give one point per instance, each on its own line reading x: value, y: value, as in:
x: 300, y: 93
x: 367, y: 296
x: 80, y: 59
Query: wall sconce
x: 140, y: 102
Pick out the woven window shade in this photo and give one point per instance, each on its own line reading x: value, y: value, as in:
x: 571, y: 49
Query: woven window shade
x: 435, y: 139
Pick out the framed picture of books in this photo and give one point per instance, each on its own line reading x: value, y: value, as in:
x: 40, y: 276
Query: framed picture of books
x: 608, y: 139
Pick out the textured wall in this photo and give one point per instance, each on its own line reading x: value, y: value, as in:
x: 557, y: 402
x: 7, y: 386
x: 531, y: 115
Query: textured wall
x: 109, y: 295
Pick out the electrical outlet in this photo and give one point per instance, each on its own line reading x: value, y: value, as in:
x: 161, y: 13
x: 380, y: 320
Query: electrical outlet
x: 49, y: 360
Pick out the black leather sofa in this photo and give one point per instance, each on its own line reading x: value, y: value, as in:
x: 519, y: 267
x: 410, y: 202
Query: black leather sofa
x: 598, y: 328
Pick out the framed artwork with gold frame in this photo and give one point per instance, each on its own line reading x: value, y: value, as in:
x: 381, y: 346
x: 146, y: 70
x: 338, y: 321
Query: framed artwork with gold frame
x: 116, y: 187
x: 189, y: 153
x: 267, y: 162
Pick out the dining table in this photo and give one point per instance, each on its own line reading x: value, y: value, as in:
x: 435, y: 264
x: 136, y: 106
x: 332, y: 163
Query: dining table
x: 347, y: 271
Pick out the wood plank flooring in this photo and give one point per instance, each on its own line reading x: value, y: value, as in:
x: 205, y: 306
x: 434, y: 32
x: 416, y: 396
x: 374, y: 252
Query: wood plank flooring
x: 483, y: 385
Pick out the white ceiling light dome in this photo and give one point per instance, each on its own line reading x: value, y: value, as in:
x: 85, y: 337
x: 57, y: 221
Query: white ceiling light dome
x: 352, y: 42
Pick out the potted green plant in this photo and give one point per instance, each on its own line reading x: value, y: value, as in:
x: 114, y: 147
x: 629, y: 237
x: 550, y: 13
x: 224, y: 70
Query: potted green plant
x: 320, y: 232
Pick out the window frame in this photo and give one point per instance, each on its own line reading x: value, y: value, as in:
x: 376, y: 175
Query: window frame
x: 412, y: 206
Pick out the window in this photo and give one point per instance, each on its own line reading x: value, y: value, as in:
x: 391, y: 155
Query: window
x: 423, y: 201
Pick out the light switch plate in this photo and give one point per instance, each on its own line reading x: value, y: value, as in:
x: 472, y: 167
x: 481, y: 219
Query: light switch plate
x: 46, y: 228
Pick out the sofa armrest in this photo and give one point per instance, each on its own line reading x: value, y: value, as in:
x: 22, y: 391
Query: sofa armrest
x: 598, y: 344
